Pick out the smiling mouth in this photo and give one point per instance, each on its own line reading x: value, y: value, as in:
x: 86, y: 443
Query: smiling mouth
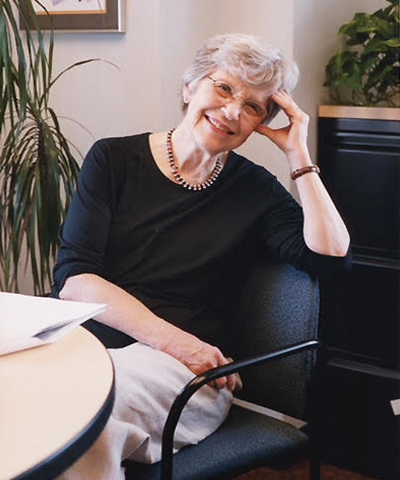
x: 219, y: 126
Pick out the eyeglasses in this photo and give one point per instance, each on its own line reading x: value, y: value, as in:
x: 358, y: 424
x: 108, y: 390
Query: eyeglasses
x: 226, y: 92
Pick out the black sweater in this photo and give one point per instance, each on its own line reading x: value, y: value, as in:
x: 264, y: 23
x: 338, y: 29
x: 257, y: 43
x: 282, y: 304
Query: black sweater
x: 182, y: 253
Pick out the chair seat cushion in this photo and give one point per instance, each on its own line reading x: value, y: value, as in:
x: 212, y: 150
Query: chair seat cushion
x: 245, y: 441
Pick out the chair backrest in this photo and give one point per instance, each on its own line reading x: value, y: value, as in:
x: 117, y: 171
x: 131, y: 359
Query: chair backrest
x: 278, y: 306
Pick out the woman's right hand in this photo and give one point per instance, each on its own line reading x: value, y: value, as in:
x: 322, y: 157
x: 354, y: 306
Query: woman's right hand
x: 198, y: 356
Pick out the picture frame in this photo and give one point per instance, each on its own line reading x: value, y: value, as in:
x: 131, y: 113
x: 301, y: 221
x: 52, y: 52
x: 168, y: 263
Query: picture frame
x: 76, y: 15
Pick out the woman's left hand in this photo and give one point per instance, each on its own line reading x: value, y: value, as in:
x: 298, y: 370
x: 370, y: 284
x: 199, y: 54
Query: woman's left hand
x: 293, y: 137
x: 324, y: 230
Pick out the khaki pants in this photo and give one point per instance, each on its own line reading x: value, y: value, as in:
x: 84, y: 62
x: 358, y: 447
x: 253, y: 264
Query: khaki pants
x: 147, y: 382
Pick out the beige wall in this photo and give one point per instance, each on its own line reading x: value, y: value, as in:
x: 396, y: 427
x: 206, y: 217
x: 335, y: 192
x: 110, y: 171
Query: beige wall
x: 161, y: 37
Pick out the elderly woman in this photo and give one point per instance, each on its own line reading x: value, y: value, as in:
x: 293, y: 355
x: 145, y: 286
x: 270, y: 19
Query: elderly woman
x: 164, y: 225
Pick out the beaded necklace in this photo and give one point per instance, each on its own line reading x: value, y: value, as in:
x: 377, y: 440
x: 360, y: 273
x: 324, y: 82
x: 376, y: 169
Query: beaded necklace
x: 175, y: 170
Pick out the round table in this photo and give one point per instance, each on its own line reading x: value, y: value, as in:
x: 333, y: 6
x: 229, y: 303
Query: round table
x: 54, y: 402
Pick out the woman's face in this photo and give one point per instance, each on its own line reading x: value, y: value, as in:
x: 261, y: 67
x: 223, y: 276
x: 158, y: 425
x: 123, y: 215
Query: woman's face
x: 223, y: 111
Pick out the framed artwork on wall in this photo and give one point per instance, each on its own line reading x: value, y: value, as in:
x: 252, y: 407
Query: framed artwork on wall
x: 77, y: 15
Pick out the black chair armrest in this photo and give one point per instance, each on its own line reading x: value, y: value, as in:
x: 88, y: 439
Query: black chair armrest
x: 197, y: 382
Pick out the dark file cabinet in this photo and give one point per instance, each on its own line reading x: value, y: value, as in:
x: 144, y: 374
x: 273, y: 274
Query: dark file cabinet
x: 360, y: 166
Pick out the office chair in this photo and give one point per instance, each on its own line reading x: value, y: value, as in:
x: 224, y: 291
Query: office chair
x: 276, y: 318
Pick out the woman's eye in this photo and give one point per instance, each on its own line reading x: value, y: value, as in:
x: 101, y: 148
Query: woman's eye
x: 223, y: 89
x: 253, y: 109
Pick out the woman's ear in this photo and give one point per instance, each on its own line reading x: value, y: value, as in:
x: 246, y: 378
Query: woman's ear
x: 186, y: 94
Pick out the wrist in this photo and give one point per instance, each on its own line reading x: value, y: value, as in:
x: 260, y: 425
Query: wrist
x: 168, y: 336
x: 158, y: 334
x: 299, y: 159
x: 299, y: 172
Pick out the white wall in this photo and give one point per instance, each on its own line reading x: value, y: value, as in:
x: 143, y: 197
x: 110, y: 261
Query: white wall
x: 161, y: 37
x: 111, y: 100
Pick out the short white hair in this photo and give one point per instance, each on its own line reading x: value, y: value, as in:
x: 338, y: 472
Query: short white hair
x: 247, y: 57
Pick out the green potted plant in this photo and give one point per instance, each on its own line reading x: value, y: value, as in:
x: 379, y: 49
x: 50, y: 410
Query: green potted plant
x: 38, y: 168
x: 365, y: 70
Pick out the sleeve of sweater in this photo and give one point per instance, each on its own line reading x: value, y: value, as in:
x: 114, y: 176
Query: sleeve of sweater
x: 282, y: 235
x: 85, y: 231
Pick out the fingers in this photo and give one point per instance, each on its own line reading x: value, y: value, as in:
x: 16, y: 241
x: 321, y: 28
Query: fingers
x: 198, y: 356
x: 293, y: 137
x: 229, y: 381
x: 235, y: 378
x: 288, y: 105
x: 211, y: 357
x: 266, y: 131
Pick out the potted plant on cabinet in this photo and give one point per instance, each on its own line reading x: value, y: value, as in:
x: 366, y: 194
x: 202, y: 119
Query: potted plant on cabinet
x: 38, y: 169
x: 365, y: 71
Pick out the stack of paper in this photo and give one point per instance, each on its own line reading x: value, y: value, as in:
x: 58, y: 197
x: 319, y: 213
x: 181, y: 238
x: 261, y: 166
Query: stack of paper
x: 27, y: 321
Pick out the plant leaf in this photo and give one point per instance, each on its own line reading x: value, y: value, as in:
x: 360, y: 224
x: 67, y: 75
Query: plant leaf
x: 393, y: 43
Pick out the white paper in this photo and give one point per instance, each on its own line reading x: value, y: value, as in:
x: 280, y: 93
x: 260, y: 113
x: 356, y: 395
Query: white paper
x: 396, y: 406
x: 27, y: 321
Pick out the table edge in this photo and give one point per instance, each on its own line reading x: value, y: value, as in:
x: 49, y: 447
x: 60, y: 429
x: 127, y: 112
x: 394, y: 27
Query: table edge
x: 68, y: 454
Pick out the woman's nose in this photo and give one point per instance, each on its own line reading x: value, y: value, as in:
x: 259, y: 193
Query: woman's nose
x: 232, y: 109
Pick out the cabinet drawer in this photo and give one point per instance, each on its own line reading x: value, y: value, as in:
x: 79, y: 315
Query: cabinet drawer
x: 360, y: 166
x: 360, y: 313
x: 362, y: 432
